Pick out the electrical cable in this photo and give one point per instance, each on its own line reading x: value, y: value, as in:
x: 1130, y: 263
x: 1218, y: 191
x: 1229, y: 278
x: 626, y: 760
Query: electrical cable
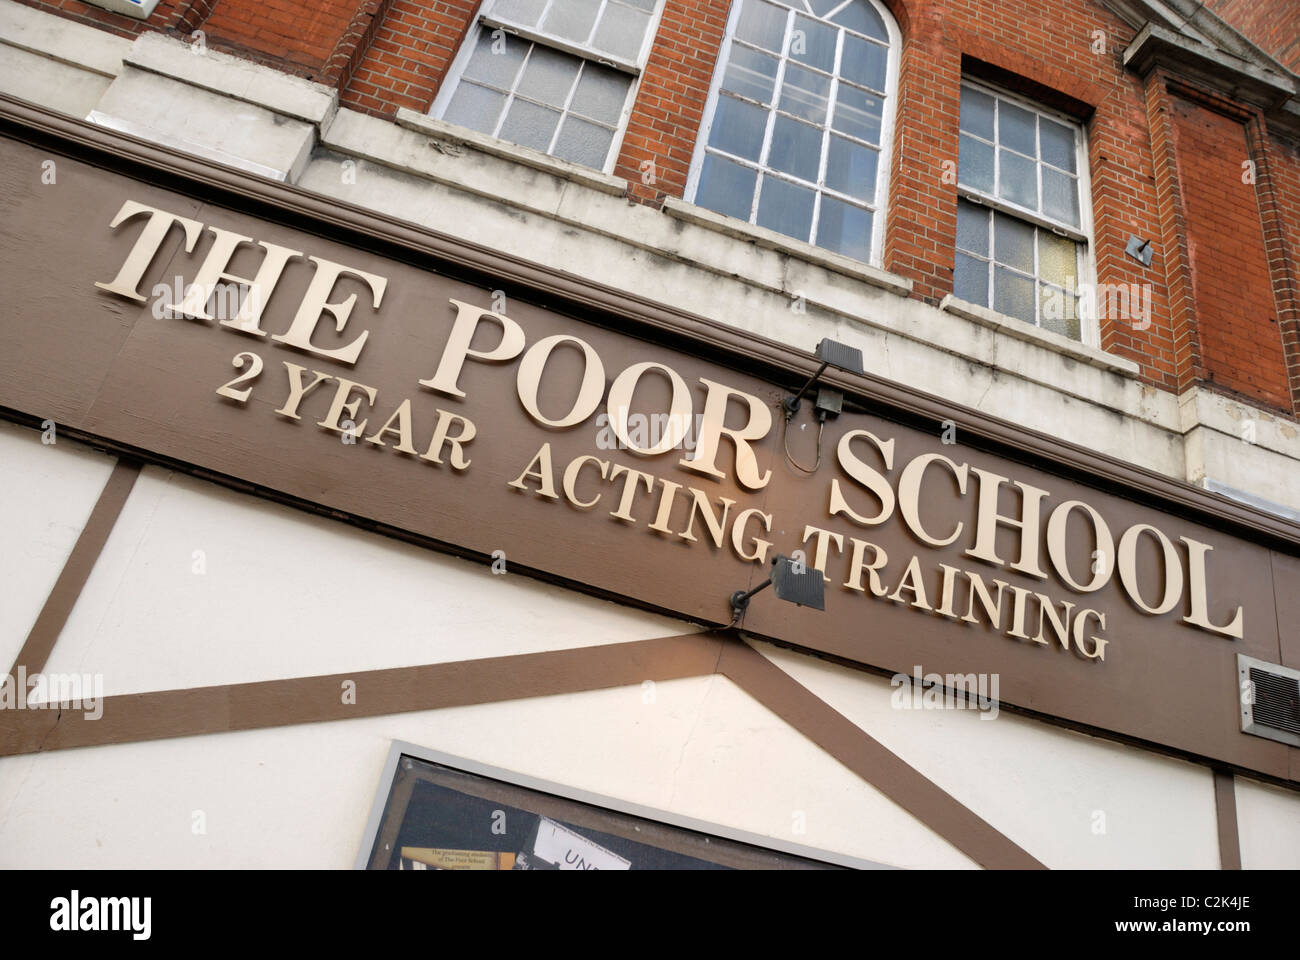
x: 785, y: 444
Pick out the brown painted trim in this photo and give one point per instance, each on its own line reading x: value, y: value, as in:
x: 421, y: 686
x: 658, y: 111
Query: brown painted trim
x: 132, y: 718
x: 871, y: 760
x: 63, y: 596
x: 609, y: 307
x: 1225, y: 803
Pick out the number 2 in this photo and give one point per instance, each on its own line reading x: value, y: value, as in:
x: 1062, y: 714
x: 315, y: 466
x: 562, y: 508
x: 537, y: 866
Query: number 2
x: 226, y: 389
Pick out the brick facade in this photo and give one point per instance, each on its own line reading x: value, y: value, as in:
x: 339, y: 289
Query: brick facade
x: 1165, y: 163
x: 1273, y: 27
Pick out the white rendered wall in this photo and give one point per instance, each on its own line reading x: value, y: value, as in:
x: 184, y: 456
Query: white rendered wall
x: 700, y: 748
x: 46, y: 494
x: 198, y: 585
x: 1071, y: 800
x: 1268, y: 823
x: 299, y: 796
x: 266, y: 608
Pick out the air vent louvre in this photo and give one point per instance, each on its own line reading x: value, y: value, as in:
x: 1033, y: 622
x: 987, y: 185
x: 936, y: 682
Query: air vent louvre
x: 1270, y: 700
x: 1277, y: 700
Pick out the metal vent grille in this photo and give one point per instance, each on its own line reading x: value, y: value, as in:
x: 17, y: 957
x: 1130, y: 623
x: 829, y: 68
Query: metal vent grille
x: 1270, y: 700
x: 1277, y: 700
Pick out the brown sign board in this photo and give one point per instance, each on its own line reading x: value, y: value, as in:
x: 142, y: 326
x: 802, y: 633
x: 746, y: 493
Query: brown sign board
x: 906, y: 588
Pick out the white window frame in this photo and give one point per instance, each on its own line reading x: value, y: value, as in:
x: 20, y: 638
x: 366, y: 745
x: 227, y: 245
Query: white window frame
x: 1089, y: 323
x: 485, y: 19
x: 880, y: 204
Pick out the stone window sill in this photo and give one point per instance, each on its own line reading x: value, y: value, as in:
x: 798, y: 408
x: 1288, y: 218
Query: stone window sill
x: 730, y: 226
x: 450, y: 133
x: 1015, y: 327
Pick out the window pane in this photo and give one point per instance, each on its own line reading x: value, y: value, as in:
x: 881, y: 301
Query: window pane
x: 975, y: 164
x: 1057, y: 260
x: 1059, y: 310
x: 583, y: 142
x: 621, y: 31
x: 738, y: 128
x: 813, y: 42
x: 786, y: 208
x: 1016, y: 128
x: 796, y: 148
x: 1057, y: 144
x: 572, y: 19
x: 844, y: 228
x: 862, y: 17
x: 727, y: 187
x: 977, y: 113
x: 970, y: 280
x: 762, y: 24
x: 496, y: 62
x: 1013, y: 243
x: 529, y: 125
x: 520, y: 11
x: 1013, y: 294
x: 548, y: 76
x: 1060, y: 196
x: 750, y: 74
x: 475, y: 107
x: 1018, y: 179
x: 857, y: 113
x: 864, y: 62
x: 804, y: 93
x: 851, y: 169
x: 647, y: 5
x: 601, y: 93
x: 972, y: 228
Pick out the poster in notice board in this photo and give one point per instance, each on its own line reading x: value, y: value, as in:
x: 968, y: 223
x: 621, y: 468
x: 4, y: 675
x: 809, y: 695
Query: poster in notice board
x: 437, y: 817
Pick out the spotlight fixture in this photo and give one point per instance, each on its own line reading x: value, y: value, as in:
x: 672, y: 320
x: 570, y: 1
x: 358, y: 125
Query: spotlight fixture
x: 829, y: 400
x: 796, y: 583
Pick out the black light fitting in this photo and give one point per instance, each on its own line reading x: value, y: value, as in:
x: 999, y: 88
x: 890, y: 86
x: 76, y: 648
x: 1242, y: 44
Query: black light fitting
x: 830, y: 402
x: 795, y: 582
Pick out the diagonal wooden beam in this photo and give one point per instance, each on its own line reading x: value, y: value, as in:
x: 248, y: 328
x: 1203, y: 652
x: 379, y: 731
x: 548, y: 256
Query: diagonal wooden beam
x: 158, y: 715
x: 870, y: 759
x: 58, y: 605
x: 273, y: 703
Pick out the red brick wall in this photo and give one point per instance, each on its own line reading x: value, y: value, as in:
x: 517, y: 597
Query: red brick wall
x: 299, y: 36
x: 1237, y: 317
x: 294, y: 36
x: 116, y: 23
x: 412, y: 48
x: 1278, y: 187
x: 1066, y: 55
x: 1147, y: 180
x: 670, y: 101
x: 1274, y: 26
